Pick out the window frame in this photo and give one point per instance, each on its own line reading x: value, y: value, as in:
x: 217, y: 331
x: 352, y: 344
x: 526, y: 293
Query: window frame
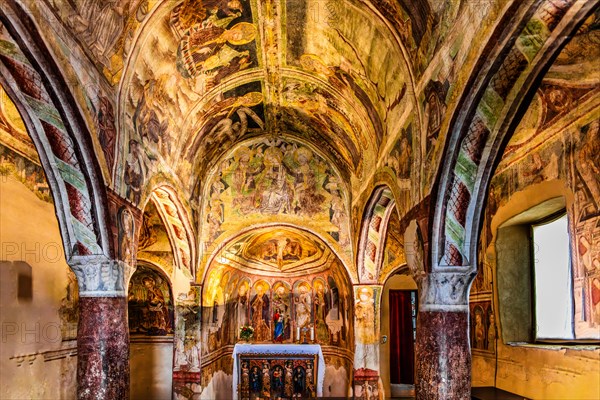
x: 548, y: 219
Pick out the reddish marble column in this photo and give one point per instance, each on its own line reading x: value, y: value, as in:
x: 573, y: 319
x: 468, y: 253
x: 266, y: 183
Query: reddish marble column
x: 103, y: 348
x: 103, y: 332
x: 443, y: 358
x: 442, y: 352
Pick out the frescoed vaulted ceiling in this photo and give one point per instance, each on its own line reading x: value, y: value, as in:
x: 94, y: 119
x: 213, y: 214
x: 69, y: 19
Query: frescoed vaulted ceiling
x: 208, y: 74
x: 266, y: 112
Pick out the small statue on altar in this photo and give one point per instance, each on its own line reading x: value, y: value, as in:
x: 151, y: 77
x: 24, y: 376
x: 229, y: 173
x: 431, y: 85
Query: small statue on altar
x: 289, y: 389
x: 266, y: 381
x: 299, y: 382
x: 255, y: 381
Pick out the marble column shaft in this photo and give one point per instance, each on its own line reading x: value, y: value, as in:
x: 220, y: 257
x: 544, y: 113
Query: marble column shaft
x: 443, y: 355
x: 443, y: 361
x: 103, y: 332
x: 103, y: 348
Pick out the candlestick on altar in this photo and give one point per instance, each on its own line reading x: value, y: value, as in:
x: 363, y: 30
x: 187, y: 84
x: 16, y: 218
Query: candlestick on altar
x: 312, y: 333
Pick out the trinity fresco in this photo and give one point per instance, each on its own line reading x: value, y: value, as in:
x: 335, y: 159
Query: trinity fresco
x: 310, y: 309
x: 150, y: 303
x: 276, y: 250
x: 275, y: 178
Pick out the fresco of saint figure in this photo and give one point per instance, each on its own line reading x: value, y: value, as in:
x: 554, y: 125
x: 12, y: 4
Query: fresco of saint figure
x: 365, y: 316
x: 260, y: 312
x: 150, y: 307
x: 157, y: 312
x: 134, y: 172
x: 321, y: 309
x: 302, y: 307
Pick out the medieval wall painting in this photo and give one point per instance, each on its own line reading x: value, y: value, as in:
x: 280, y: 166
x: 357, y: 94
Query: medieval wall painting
x: 276, y: 178
x: 482, y: 326
x: 288, y: 289
x: 289, y: 310
x: 150, y: 303
x: 153, y: 240
x: 186, y: 361
x: 570, y: 156
x: 196, y: 47
x: 18, y: 156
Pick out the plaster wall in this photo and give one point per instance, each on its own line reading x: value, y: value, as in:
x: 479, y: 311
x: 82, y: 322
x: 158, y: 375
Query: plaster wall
x: 396, y: 282
x: 535, y: 371
x: 151, y: 370
x: 34, y: 360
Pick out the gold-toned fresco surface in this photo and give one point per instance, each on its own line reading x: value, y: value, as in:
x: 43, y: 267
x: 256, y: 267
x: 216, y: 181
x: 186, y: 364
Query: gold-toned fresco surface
x: 154, y: 245
x: 18, y: 156
x: 314, y: 308
x: 276, y: 180
x: 150, y: 303
x: 218, y: 74
x: 557, y: 139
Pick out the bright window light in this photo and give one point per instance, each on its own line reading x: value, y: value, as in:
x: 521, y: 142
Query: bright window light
x: 553, y: 287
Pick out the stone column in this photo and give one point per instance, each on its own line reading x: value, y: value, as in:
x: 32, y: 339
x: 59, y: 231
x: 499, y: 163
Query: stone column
x: 443, y: 355
x: 366, y: 337
x: 187, y: 359
x: 103, y: 333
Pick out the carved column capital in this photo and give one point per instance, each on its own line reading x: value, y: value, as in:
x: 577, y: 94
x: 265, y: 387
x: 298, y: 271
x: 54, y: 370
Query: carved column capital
x: 445, y: 291
x: 99, y: 276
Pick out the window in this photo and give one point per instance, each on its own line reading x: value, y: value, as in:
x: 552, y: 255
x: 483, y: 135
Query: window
x: 552, y: 279
x: 542, y: 295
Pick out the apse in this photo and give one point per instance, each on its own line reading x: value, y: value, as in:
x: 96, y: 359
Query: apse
x: 291, y: 289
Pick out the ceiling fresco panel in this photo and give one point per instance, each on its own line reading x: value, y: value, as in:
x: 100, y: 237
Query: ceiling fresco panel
x: 271, y: 180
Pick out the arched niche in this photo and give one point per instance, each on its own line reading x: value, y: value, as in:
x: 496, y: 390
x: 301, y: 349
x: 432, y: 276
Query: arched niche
x: 151, y: 330
x: 290, y: 287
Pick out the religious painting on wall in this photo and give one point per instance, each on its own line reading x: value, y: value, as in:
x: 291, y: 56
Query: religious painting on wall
x: 277, y: 376
x: 482, y: 325
x: 150, y: 303
x: 186, y: 365
x: 293, y: 310
x: 271, y: 178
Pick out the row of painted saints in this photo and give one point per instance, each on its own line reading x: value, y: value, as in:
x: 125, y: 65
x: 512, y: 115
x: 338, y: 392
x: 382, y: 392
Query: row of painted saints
x: 281, y: 313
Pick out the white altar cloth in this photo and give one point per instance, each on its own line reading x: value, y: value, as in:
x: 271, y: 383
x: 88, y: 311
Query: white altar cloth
x: 279, y: 349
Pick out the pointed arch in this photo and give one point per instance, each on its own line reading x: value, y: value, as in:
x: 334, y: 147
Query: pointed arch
x: 34, y: 83
x: 486, y: 117
x: 177, y: 222
x: 373, y: 233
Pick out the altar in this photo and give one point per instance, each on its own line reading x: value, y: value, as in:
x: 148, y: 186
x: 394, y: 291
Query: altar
x: 277, y: 371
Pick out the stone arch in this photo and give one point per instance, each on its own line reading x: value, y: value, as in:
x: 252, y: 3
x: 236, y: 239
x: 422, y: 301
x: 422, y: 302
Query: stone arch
x: 35, y: 84
x: 373, y: 232
x: 489, y: 111
x: 222, y: 242
x: 177, y: 222
x: 230, y: 204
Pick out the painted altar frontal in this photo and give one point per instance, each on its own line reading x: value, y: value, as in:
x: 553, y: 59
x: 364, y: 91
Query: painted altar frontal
x: 276, y: 371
